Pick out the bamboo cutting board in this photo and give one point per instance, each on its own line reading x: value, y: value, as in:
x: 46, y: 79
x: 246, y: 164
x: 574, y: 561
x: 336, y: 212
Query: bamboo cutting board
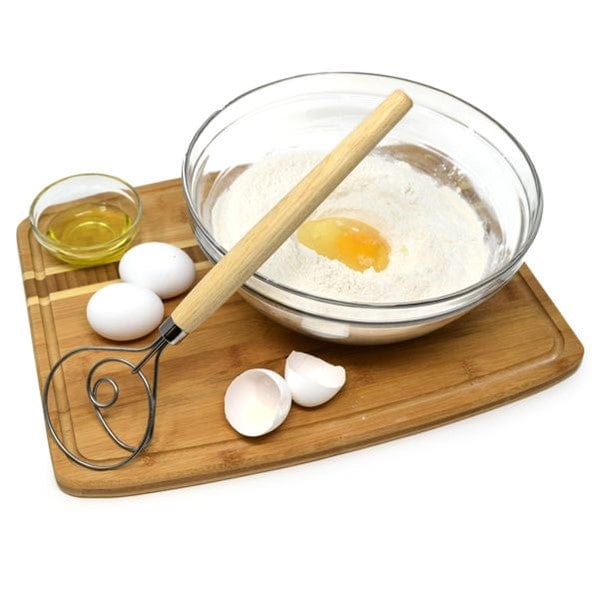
x: 515, y: 343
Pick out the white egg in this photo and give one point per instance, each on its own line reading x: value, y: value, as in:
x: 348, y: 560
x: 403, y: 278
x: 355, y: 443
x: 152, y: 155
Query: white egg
x: 165, y: 269
x: 257, y: 401
x: 312, y: 381
x: 122, y: 311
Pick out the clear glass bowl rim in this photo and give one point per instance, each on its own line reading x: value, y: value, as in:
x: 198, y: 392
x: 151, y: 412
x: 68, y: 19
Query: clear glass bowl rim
x: 456, y: 295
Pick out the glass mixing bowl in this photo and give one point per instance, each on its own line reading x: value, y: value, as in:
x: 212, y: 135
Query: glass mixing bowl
x: 442, y: 135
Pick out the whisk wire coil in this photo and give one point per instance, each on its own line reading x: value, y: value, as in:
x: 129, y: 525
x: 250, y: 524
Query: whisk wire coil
x: 93, y: 386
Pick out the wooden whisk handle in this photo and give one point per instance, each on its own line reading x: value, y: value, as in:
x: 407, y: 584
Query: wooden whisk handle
x: 262, y: 240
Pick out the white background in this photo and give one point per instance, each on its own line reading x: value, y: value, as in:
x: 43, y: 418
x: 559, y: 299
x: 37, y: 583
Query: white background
x: 501, y: 505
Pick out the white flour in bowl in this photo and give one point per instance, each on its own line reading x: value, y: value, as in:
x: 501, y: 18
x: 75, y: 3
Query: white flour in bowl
x: 437, y: 240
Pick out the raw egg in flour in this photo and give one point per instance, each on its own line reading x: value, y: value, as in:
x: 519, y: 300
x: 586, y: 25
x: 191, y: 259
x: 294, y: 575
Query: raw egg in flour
x: 353, y: 242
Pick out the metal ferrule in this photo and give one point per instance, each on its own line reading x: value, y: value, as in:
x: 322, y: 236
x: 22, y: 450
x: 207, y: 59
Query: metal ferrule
x: 170, y: 332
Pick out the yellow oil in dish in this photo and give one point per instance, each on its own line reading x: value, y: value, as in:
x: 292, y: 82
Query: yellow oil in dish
x: 90, y: 233
x: 353, y: 242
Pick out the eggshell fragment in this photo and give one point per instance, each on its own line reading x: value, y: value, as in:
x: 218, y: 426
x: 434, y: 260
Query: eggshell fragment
x: 257, y: 401
x: 164, y: 268
x: 122, y: 311
x: 312, y: 381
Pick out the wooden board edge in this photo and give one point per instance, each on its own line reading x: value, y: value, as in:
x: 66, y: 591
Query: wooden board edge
x: 68, y: 487
x: 570, y: 356
x: 35, y: 311
x: 573, y: 350
x: 160, y: 185
x: 67, y: 484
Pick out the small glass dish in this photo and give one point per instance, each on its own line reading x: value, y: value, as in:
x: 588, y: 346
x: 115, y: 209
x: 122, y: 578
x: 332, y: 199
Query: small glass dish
x: 86, y: 219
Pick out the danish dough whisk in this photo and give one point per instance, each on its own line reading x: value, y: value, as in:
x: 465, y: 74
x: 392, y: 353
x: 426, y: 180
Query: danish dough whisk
x: 221, y: 281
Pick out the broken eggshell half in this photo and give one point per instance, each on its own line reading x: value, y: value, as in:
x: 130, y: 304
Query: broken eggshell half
x: 257, y: 401
x: 312, y: 381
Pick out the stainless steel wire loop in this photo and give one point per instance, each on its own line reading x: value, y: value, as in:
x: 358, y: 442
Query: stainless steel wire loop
x: 93, y: 386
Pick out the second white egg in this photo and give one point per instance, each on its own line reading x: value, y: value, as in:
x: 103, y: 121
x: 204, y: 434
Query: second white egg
x: 122, y: 311
x: 164, y: 268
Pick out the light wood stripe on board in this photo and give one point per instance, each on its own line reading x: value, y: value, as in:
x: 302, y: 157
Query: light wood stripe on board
x: 34, y: 300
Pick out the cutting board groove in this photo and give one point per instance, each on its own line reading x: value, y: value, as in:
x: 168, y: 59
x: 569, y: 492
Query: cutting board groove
x: 515, y: 343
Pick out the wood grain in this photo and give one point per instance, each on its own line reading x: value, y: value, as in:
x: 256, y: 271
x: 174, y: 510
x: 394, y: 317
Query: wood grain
x: 515, y: 343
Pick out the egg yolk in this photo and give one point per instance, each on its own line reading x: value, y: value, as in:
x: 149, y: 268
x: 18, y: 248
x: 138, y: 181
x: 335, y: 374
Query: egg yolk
x: 348, y: 240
